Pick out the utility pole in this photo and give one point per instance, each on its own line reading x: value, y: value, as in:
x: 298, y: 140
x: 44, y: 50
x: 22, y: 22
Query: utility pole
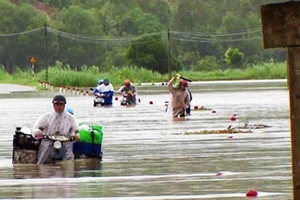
x: 169, y: 57
x: 280, y: 26
x: 46, y: 53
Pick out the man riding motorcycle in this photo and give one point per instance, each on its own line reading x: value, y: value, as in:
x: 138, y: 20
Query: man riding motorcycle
x: 129, y: 91
x: 57, y: 122
x: 105, y: 91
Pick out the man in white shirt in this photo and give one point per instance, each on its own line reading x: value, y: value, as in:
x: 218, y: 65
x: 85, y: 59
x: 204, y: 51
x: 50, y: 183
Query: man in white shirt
x: 59, y: 122
x: 107, y: 91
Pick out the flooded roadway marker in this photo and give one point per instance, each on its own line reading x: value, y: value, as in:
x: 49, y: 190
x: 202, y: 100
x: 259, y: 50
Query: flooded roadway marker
x: 280, y: 28
x: 252, y: 193
x: 219, y: 174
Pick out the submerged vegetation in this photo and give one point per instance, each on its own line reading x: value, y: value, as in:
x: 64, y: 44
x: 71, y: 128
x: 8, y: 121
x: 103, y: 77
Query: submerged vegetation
x: 59, y: 75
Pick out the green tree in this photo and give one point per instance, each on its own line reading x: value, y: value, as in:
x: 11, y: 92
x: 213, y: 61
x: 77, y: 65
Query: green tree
x: 79, y: 44
x: 189, y: 59
x: 234, y: 57
x: 207, y: 63
x: 150, y: 52
x: 16, y: 48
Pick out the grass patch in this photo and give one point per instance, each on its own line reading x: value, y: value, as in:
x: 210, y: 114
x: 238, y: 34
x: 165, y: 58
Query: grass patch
x: 60, y: 75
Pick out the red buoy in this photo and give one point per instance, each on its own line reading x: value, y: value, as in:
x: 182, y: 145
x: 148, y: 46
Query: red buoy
x: 213, y: 111
x: 251, y: 193
x: 219, y: 174
x: 150, y: 102
x: 195, y: 107
x: 232, y: 118
x: 116, y: 98
x: 230, y: 137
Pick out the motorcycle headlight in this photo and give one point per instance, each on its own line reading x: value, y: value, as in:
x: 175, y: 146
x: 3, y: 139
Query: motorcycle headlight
x: 57, y: 144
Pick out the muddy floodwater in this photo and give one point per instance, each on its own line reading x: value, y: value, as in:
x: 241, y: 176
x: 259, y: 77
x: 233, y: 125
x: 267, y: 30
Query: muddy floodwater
x: 146, y: 154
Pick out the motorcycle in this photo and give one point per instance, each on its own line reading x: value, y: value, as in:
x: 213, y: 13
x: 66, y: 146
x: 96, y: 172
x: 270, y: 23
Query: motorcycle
x: 128, y: 99
x: 99, y: 99
x: 26, y: 147
x: 124, y: 101
x: 102, y: 99
x: 58, y: 149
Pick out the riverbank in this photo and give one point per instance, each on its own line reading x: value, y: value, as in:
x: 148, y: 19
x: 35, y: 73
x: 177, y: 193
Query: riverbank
x: 209, y: 86
x: 152, y: 88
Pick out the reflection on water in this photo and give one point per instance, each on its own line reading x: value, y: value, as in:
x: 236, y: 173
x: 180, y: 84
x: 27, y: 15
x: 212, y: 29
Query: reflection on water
x: 144, y: 159
x: 68, y: 169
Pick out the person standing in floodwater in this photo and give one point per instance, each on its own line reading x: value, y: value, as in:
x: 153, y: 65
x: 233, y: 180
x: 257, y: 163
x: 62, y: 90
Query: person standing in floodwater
x: 130, y: 90
x: 180, y: 97
x: 59, y: 122
x: 188, y: 109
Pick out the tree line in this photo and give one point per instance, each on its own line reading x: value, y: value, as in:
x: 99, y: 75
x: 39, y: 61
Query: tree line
x: 187, y: 34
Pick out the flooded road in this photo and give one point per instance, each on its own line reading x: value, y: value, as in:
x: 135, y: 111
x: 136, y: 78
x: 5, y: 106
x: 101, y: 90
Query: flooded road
x: 147, y: 156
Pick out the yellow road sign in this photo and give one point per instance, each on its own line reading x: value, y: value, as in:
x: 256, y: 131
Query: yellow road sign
x: 32, y: 60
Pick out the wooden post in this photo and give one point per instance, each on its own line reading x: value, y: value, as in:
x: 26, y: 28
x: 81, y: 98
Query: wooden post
x: 169, y: 57
x: 46, y: 53
x: 281, y: 28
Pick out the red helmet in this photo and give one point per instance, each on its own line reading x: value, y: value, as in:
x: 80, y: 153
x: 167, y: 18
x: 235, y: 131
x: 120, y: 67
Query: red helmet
x: 127, y: 82
x: 184, y: 83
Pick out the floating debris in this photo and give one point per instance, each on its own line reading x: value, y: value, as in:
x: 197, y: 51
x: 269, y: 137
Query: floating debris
x: 222, y: 131
x: 253, y: 126
x: 201, y: 108
x: 195, y: 108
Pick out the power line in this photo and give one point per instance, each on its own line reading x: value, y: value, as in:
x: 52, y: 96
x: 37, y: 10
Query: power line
x: 203, y: 40
x: 217, y: 34
x: 20, y: 33
x: 104, y: 41
x: 179, y: 36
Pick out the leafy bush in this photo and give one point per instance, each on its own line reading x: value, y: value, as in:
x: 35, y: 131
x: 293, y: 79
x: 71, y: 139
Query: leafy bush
x: 208, y: 63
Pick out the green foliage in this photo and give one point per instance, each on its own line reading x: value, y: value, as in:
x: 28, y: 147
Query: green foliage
x: 269, y: 70
x: 189, y: 59
x: 3, y: 74
x: 149, y: 52
x: 60, y: 75
x: 207, y: 63
x: 111, y: 34
x: 139, y: 75
x: 65, y: 76
x: 234, y: 57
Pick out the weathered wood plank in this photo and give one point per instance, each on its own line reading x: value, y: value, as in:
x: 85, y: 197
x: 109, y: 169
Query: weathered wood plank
x: 294, y: 93
x: 281, y: 24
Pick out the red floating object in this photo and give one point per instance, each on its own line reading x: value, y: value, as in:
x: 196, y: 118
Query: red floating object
x: 219, y: 174
x: 213, y: 111
x: 116, y: 98
x: 251, y: 193
x: 232, y: 118
x: 230, y: 137
x: 195, y: 107
x: 151, y: 102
